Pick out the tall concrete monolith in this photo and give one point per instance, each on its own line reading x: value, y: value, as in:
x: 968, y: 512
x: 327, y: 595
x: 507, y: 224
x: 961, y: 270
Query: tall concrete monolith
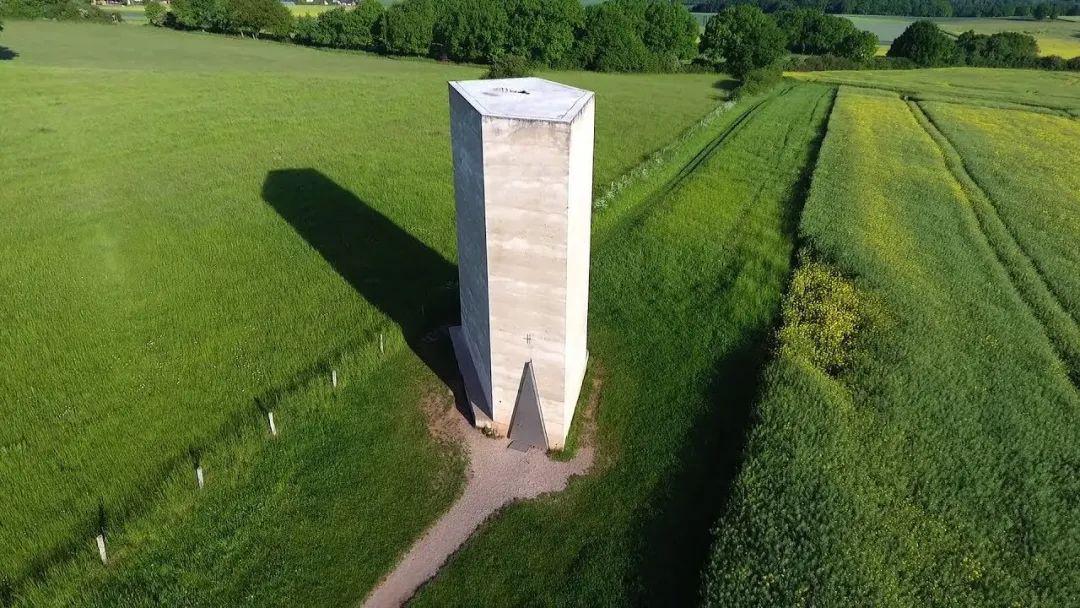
x: 523, y: 155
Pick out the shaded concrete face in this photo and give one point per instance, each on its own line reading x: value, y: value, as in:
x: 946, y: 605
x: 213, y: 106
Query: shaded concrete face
x: 523, y: 152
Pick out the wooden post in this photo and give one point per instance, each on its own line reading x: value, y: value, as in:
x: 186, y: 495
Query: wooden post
x: 101, y: 549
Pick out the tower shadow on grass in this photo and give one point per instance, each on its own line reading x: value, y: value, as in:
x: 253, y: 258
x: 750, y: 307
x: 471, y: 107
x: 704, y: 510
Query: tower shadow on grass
x: 7, y: 54
x: 408, y: 281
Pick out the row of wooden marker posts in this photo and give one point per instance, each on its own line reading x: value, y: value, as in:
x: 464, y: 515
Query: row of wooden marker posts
x: 199, y: 477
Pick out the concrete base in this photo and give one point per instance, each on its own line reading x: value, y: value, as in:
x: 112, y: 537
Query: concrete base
x: 481, y: 416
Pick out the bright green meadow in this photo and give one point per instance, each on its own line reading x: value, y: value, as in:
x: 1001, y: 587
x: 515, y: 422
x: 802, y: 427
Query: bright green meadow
x: 834, y: 340
x: 198, y: 229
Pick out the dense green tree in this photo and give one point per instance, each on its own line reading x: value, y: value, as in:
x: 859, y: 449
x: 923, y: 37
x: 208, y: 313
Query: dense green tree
x: 202, y: 14
x: 1003, y: 49
x: 743, y: 38
x: 509, y: 66
x: 349, y: 28
x: 926, y: 44
x: 542, y: 31
x: 156, y: 12
x: 470, y: 30
x: 858, y: 45
x: 407, y: 27
x: 257, y: 16
x: 812, y: 32
x: 610, y: 41
x: 670, y: 30
x: 307, y: 29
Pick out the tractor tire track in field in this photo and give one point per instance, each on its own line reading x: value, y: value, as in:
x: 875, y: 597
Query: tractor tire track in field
x: 1023, y: 272
x: 638, y: 212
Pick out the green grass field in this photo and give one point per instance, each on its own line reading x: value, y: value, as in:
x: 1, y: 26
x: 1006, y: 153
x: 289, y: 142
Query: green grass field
x: 834, y: 325
x: 199, y: 226
x: 1058, y: 37
x: 933, y: 461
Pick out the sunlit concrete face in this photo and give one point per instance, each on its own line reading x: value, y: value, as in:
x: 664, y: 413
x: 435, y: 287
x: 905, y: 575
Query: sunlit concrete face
x: 523, y: 154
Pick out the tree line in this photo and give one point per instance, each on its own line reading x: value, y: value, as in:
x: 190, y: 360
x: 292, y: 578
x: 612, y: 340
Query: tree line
x: 617, y: 35
x: 927, y: 45
x: 61, y: 10
x: 1039, y: 9
x: 752, y: 45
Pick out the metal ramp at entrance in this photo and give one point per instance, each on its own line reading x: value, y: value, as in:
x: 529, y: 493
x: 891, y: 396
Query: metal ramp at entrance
x: 527, y: 422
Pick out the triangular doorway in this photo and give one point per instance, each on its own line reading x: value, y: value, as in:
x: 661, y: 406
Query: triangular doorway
x: 527, y: 422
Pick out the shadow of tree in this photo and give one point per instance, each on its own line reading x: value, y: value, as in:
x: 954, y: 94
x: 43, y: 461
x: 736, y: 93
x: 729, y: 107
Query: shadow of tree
x: 408, y: 281
x: 7, y: 54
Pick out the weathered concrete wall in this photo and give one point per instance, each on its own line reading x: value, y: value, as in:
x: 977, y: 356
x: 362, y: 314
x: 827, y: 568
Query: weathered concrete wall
x: 535, y: 199
x: 466, y: 132
x: 579, y: 231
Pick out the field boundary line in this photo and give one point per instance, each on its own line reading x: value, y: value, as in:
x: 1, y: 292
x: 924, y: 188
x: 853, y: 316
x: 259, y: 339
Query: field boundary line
x: 970, y: 99
x: 242, y: 425
x: 1024, y: 274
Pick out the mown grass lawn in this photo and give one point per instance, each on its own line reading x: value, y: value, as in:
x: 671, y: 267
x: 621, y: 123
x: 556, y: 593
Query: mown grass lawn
x: 198, y: 228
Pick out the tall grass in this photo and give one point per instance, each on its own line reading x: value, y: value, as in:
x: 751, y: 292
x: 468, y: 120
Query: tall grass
x: 684, y: 296
x: 937, y: 465
x: 196, y: 227
x: 1028, y: 166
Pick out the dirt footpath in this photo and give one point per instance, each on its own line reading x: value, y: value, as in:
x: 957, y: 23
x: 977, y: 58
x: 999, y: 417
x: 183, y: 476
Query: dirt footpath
x: 497, y: 476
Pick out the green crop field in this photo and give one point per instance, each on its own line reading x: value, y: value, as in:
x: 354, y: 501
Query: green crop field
x: 1029, y: 89
x: 1058, y: 37
x: 833, y: 329
x: 1021, y: 162
x: 197, y: 227
x: 919, y: 432
x: 311, y: 9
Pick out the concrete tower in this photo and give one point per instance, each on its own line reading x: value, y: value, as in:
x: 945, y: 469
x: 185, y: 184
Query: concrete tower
x: 523, y: 155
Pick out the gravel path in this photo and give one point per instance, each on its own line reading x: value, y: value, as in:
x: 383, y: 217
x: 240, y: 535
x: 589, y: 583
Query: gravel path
x: 497, y: 475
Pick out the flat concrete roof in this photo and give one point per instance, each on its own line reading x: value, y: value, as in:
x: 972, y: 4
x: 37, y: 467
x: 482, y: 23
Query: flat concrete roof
x: 523, y: 98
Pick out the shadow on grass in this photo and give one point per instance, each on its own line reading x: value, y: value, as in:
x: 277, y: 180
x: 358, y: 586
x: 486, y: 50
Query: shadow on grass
x: 675, y: 541
x: 726, y: 84
x: 675, y: 536
x: 7, y: 54
x: 408, y: 281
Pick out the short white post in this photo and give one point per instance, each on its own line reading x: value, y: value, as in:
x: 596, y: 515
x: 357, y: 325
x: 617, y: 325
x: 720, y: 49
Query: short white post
x: 380, y: 343
x: 199, y: 476
x: 273, y: 427
x: 333, y: 378
x: 101, y: 549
